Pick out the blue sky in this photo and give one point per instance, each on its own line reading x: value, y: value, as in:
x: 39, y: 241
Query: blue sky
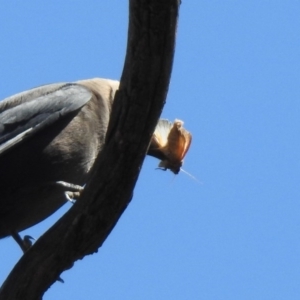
x: 234, y: 233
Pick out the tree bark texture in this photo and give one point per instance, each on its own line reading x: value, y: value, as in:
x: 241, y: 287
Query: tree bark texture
x: 136, y: 109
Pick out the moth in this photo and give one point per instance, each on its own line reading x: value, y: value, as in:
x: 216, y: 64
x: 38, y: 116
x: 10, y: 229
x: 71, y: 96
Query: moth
x: 170, y: 142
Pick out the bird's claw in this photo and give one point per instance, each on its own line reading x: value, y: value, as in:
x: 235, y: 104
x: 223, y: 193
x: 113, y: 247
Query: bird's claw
x: 72, y: 196
x: 26, y: 244
x: 73, y: 190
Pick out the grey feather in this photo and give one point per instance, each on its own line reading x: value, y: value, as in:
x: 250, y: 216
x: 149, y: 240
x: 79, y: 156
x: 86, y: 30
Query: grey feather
x: 23, y: 115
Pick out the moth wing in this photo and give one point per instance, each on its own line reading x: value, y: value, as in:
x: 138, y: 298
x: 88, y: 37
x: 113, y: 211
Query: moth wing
x: 161, y: 132
x: 178, y: 141
x: 184, y: 143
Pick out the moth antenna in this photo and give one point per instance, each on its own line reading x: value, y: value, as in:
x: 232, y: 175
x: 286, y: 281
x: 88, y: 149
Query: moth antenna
x: 171, y: 182
x: 173, y: 179
x: 190, y: 175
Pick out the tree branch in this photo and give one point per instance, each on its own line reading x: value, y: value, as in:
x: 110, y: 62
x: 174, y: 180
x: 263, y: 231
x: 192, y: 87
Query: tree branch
x: 137, y: 107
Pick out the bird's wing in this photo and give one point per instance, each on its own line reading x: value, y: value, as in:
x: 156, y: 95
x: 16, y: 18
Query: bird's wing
x: 24, y: 114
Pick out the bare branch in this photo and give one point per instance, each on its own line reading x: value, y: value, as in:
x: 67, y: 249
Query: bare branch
x: 138, y: 104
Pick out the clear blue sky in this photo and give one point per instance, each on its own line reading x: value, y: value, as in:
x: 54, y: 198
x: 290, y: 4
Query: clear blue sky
x: 235, y: 234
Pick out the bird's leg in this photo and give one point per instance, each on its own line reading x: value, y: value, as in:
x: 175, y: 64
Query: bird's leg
x: 73, y: 190
x: 25, y: 244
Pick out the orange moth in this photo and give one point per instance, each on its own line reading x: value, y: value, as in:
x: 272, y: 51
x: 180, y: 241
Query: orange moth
x: 170, y: 143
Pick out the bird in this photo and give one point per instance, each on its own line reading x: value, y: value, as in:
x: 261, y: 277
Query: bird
x: 50, y: 137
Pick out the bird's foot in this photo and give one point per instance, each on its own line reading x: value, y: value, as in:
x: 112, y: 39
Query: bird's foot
x: 26, y: 244
x: 73, y: 190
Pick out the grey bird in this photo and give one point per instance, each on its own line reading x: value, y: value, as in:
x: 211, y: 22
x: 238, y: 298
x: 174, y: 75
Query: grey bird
x: 50, y: 137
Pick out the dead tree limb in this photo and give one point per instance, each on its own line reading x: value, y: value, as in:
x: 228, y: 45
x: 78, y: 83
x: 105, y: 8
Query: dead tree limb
x: 137, y: 107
